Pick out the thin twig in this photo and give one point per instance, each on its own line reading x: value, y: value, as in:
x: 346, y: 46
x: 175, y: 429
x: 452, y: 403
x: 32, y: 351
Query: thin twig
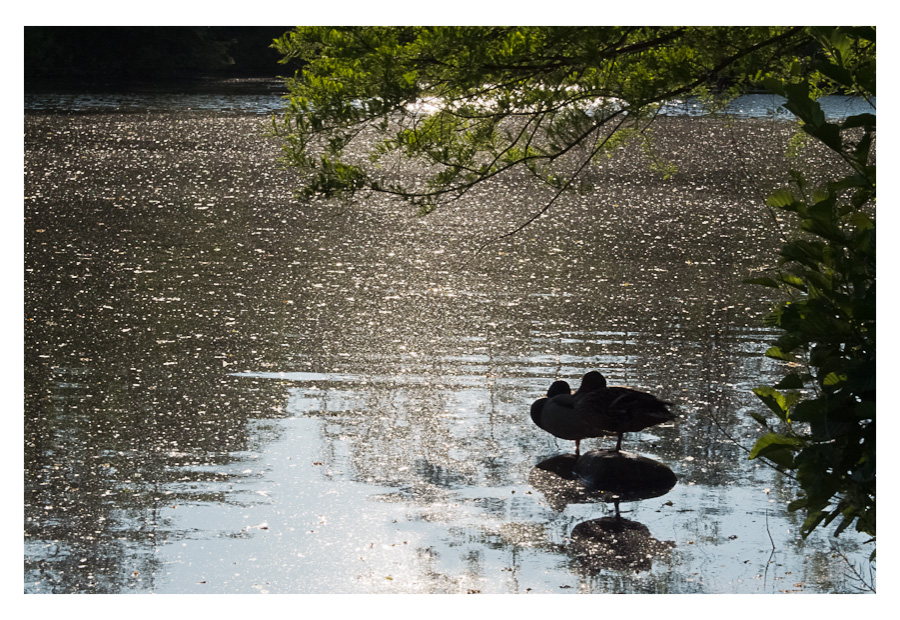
x: 762, y: 459
x: 866, y: 585
x: 747, y: 175
x: 558, y: 193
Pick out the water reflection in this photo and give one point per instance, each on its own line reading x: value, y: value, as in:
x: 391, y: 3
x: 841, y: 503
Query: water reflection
x: 615, y: 543
x: 607, y: 543
x: 226, y: 391
x: 766, y: 105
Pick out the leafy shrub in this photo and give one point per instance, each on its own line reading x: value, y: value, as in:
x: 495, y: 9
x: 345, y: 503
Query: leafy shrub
x: 824, y: 406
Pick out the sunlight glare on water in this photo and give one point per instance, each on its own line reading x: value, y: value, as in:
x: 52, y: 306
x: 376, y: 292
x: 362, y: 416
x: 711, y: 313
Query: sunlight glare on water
x: 228, y: 391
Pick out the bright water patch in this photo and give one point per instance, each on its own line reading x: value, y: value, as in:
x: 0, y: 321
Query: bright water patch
x: 266, y: 97
x: 835, y: 107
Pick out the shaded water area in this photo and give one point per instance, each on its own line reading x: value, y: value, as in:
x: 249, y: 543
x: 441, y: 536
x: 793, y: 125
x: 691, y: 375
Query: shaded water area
x: 229, y: 391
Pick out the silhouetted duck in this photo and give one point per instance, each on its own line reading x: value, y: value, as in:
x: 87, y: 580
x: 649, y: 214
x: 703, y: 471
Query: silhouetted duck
x: 617, y: 410
x: 556, y: 414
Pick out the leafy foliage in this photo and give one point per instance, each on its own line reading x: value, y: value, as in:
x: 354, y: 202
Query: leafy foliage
x: 471, y: 103
x: 827, y: 434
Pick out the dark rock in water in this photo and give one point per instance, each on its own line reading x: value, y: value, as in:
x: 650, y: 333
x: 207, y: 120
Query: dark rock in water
x: 623, y: 474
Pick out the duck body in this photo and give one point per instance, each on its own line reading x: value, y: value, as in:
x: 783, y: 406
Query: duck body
x: 618, y: 410
x: 556, y: 414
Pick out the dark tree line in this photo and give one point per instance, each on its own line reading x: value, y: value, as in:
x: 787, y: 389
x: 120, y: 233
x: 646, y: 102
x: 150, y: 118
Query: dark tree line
x: 102, y: 53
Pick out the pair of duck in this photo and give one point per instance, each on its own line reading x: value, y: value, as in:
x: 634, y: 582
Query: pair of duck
x: 596, y: 410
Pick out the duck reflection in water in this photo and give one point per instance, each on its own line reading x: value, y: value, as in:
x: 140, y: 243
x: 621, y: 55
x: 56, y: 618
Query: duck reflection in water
x: 599, y: 475
x: 615, y: 543
x: 606, y: 476
x: 597, y: 410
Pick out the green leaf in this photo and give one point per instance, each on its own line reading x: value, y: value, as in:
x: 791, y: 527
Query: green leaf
x: 833, y: 378
x: 793, y: 381
x: 837, y: 73
x: 823, y: 210
x: 859, y: 120
x: 763, y: 281
x: 803, y: 251
x: 792, y: 280
x: 774, y: 85
x: 808, y: 411
x: 807, y: 109
x: 812, y: 520
x: 777, y: 354
x: 862, y: 221
x: 796, y: 176
x: 774, y: 400
x: 777, y: 448
x: 828, y: 133
x: 798, y: 504
x: 847, y: 520
x: 780, y: 198
x: 759, y: 418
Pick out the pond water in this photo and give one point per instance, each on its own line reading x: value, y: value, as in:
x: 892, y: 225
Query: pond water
x: 266, y: 96
x: 240, y: 95
x: 228, y: 391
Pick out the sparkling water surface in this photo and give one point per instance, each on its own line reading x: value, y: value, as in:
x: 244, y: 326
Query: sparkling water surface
x: 230, y: 391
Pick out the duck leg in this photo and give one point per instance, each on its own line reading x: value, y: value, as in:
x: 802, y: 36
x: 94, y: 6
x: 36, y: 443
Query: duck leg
x: 577, y: 442
x: 619, y: 442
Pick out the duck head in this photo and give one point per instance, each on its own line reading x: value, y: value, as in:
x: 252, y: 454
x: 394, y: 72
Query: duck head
x: 592, y: 381
x: 557, y: 388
